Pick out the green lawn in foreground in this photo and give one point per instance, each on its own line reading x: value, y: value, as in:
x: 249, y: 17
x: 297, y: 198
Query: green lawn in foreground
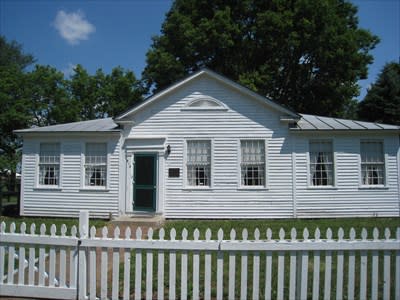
x: 286, y: 224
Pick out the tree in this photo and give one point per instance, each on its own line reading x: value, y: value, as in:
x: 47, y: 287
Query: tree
x: 305, y: 54
x: 382, y: 102
x: 104, y: 95
x: 14, y: 100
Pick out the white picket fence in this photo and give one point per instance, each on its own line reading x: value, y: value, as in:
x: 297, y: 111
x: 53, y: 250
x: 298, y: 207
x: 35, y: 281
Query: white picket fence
x: 90, y: 266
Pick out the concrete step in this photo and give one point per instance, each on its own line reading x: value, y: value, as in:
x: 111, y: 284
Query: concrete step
x: 142, y: 220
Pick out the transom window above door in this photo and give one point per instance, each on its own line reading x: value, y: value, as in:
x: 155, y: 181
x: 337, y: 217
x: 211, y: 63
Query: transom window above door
x: 198, y: 164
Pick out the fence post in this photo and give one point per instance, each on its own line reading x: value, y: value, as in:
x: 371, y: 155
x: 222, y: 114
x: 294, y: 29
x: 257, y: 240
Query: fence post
x: 82, y: 259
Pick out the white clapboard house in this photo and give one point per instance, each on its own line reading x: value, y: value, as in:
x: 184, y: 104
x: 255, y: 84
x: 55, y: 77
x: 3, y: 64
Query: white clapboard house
x: 207, y: 147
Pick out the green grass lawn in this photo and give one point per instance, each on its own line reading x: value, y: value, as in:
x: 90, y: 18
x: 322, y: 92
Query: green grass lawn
x: 286, y: 224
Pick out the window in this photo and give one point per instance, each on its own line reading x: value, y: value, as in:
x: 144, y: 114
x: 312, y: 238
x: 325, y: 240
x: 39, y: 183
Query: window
x: 198, y: 163
x: 95, y: 164
x: 49, y: 164
x: 372, y: 163
x: 321, y: 163
x: 252, y: 163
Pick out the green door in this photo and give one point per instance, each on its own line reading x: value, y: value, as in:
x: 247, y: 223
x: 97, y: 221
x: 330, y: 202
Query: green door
x: 145, y: 182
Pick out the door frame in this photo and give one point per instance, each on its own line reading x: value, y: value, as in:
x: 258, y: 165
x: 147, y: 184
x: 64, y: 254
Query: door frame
x: 155, y: 178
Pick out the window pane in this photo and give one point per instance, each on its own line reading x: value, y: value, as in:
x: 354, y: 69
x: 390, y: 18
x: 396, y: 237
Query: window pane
x: 372, y: 163
x: 95, y: 164
x: 321, y: 163
x: 252, y: 162
x: 49, y: 164
x: 198, y: 163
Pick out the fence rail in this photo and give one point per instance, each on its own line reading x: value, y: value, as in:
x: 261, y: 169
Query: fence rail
x: 223, y: 266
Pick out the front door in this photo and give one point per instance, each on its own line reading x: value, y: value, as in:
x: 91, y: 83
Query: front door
x: 145, y: 182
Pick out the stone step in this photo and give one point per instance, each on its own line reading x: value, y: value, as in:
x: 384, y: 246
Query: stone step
x: 141, y: 220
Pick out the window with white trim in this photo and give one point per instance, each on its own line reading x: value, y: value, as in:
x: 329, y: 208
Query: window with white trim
x: 372, y: 163
x: 321, y: 163
x: 95, y: 164
x: 198, y: 164
x: 252, y: 164
x: 49, y: 164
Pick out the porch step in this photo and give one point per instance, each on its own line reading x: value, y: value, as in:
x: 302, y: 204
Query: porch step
x: 142, y: 220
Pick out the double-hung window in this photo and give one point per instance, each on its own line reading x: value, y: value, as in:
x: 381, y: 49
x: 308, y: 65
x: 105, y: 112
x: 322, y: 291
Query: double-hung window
x: 49, y: 164
x: 372, y: 163
x: 321, y: 163
x: 252, y: 164
x: 198, y: 165
x: 96, y: 164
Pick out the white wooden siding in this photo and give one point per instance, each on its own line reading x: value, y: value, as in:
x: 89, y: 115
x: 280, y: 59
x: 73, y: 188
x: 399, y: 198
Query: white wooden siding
x: 225, y: 128
x: 248, y: 118
x: 70, y: 197
x: 347, y: 198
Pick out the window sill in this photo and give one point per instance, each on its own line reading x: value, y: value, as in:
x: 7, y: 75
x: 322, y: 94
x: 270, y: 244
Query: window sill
x: 373, y: 187
x: 197, y: 188
x: 94, y: 189
x: 252, y: 188
x: 322, y: 187
x: 47, y: 188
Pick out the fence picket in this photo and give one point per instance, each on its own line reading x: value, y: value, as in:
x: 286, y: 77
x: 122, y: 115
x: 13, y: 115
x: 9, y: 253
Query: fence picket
x: 243, y: 269
x: 386, y: 269
x: 268, y: 267
x: 21, y: 257
x: 351, y: 269
x: 375, y: 266
x: 115, y: 268
x: 127, y: 267
x: 304, y: 268
x: 73, y: 255
x: 184, y: 267
x: 328, y: 267
x: 149, y: 268
x: 2, y: 252
x: 42, y: 258
x: 138, y: 267
x: 92, y: 266
x: 292, y: 269
x: 11, y: 258
x: 160, y: 273
x: 104, y: 265
x: 339, y: 268
x: 281, y: 267
x: 220, y: 268
x: 172, y: 267
x: 232, y: 268
x: 52, y: 258
x: 363, y: 268
x: 256, y: 268
x: 63, y: 259
x: 207, y: 269
x: 196, y: 265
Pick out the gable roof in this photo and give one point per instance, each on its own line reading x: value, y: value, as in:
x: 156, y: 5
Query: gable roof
x: 215, y: 76
x: 313, y: 123
x: 97, y: 125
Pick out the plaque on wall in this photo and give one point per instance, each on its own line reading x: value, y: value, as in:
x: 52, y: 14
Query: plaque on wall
x: 173, y: 172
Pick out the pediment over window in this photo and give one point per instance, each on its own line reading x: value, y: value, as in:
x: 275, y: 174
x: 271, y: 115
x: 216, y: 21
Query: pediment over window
x: 205, y: 103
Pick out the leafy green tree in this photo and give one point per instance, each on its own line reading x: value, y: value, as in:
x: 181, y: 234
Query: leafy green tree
x: 382, y: 102
x: 104, y: 95
x: 305, y: 54
x: 14, y: 100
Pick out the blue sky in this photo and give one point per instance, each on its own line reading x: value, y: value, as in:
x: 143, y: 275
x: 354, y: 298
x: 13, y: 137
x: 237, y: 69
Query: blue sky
x: 105, y: 34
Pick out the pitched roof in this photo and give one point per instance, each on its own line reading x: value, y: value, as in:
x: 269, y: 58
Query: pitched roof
x: 98, y: 125
x: 215, y: 76
x: 312, y: 123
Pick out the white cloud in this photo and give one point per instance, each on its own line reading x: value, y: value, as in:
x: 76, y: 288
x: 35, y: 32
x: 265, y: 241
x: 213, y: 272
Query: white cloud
x: 73, y: 27
x: 69, y: 70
